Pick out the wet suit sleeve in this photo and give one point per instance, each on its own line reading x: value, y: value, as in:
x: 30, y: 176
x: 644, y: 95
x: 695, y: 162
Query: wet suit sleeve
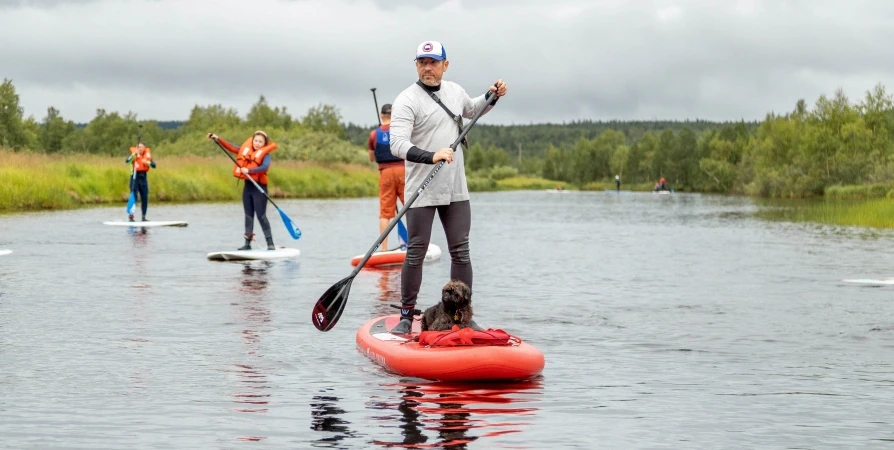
x: 417, y: 155
x: 264, y: 165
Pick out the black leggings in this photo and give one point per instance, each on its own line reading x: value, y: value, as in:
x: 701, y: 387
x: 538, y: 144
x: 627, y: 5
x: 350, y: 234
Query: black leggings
x: 457, y: 220
x: 254, y: 202
x: 140, y: 188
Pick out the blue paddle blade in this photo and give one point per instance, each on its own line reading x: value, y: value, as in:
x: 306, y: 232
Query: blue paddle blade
x: 290, y: 227
x: 132, y: 204
x: 402, y: 235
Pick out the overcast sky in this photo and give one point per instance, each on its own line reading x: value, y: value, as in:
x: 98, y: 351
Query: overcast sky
x: 562, y: 59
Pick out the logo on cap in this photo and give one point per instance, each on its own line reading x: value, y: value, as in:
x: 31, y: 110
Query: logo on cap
x: 427, y: 47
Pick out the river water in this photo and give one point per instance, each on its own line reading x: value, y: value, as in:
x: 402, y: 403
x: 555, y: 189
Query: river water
x: 674, y: 321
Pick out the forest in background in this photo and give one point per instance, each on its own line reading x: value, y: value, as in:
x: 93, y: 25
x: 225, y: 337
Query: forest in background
x: 836, y: 146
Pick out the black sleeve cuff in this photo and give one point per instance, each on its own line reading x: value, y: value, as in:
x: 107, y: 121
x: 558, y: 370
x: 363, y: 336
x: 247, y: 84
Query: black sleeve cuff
x: 417, y: 155
x: 487, y: 96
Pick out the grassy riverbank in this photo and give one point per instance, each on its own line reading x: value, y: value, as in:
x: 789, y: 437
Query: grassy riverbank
x: 873, y: 213
x: 34, y: 181
x: 37, y: 181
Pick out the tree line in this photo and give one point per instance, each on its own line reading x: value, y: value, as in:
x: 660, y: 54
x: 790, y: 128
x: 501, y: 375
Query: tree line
x: 318, y: 135
x: 803, y: 152
x: 835, y: 144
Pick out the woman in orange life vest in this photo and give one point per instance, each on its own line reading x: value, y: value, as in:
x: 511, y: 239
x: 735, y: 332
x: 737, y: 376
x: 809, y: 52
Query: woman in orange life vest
x: 141, y: 158
x: 253, y: 160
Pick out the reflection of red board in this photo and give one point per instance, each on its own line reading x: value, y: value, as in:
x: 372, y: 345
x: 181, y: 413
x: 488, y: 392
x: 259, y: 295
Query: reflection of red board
x: 518, y: 361
x: 395, y: 257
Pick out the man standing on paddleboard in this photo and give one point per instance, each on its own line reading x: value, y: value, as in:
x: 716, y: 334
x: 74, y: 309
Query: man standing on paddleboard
x: 426, y: 118
x: 391, y: 172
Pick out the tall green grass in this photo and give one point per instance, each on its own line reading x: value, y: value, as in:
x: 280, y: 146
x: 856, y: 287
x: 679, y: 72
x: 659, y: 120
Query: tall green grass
x: 527, y: 183
x: 34, y: 181
x: 865, y: 191
x: 602, y: 185
x: 38, y: 181
x: 875, y: 213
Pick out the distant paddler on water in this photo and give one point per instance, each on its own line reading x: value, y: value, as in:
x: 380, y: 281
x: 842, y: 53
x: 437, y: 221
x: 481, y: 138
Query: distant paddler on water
x: 391, y: 173
x: 141, y: 161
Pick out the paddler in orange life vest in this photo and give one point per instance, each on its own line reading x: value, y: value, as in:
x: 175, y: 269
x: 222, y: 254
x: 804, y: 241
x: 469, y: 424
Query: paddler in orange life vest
x: 141, y: 158
x: 391, y: 172
x: 253, y: 160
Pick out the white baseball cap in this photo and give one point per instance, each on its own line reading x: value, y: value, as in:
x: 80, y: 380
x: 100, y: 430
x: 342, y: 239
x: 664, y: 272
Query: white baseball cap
x: 431, y: 49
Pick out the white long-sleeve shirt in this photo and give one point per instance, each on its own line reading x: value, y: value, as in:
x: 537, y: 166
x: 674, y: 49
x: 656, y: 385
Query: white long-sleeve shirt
x: 416, y: 120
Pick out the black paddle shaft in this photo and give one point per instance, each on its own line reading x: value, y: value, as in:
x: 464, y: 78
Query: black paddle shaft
x: 421, y: 187
x: 379, y: 118
x: 247, y: 176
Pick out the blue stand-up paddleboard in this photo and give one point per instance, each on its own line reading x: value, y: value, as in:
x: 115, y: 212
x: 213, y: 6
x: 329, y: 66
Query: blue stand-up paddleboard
x: 246, y: 255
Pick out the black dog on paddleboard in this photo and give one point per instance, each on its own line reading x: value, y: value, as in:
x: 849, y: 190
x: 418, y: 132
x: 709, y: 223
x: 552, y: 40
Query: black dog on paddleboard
x: 455, y: 308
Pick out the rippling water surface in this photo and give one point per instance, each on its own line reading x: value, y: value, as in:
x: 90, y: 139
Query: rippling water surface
x: 673, y: 321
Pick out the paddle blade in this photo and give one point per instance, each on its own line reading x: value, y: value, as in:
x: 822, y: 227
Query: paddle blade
x: 329, y: 307
x: 291, y: 227
x: 132, y: 203
x: 402, y: 234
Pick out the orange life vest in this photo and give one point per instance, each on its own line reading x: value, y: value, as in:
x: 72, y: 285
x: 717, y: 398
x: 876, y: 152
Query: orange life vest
x: 251, y: 158
x: 141, y: 163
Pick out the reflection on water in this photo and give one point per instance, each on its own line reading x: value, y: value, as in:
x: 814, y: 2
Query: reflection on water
x: 389, y: 291
x: 253, y: 312
x: 325, y: 417
x: 455, y: 414
x: 140, y: 236
x: 139, y: 302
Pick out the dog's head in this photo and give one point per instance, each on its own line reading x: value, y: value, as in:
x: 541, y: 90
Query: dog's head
x: 456, y: 297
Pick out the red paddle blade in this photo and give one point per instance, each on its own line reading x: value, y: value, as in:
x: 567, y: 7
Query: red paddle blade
x: 329, y: 307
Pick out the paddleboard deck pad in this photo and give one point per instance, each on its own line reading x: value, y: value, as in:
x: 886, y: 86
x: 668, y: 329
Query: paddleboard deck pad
x: 150, y: 223
x: 460, y: 361
x: 248, y: 255
x: 395, y: 257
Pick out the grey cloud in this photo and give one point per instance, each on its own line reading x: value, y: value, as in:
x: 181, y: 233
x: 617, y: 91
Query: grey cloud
x: 563, y: 59
x: 39, y: 3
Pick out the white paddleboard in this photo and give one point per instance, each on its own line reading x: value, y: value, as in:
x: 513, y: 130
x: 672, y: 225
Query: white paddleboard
x: 557, y: 191
x: 661, y: 192
x: 245, y: 255
x: 5, y: 252
x: 871, y: 282
x: 150, y: 223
